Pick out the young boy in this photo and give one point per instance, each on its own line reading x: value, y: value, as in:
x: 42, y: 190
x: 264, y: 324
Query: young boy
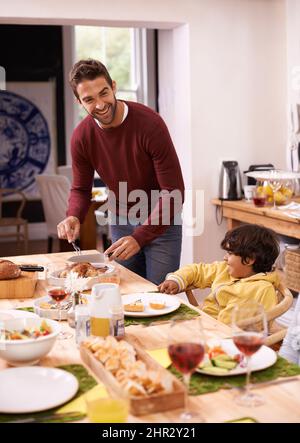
x: 245, y: 274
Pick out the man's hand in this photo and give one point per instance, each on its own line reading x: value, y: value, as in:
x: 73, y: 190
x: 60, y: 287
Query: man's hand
x: 69, y: 229
x: 123, y: 248
x: 169, y: 287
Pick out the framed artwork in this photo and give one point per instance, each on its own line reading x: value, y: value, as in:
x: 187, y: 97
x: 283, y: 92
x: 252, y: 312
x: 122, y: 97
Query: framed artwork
x: 27, y: 135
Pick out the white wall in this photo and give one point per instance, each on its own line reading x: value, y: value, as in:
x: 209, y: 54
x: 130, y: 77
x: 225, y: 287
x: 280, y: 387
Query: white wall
x: 293, y: 71
x: 226, y: 81
x: 238, y: 112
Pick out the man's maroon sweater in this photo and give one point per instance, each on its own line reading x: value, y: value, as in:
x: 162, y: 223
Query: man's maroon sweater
x: 139, y: 152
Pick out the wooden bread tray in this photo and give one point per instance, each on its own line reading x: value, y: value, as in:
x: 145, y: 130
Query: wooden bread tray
x: 142, y: 404
x: 21, y: 287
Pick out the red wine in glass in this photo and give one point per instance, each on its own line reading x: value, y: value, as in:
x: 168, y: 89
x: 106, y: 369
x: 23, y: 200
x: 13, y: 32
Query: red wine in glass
x: 58, y: 294
x: 259, y: 201
x: 186, y: 356
x: 248, y: 343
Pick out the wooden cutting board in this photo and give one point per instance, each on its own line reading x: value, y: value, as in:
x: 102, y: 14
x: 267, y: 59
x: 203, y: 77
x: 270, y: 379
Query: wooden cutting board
x: 21, y: 287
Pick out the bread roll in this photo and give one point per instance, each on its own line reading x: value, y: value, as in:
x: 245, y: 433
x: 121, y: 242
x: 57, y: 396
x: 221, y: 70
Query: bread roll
x: 134, y: 307
x: 157, y: 305
x: 9, y: 270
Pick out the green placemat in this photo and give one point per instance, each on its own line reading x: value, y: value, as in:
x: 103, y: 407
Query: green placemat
x: 182, y: 313
x: 86, y: 382
x: 28, y: 309
x: 202, y: 384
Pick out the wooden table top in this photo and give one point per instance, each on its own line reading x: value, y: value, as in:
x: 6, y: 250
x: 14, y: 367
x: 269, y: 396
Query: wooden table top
x: 282, y: 401
x: 268, y: 211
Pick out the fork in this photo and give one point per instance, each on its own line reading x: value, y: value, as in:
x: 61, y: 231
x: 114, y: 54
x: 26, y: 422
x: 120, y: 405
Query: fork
x: 76, y: 248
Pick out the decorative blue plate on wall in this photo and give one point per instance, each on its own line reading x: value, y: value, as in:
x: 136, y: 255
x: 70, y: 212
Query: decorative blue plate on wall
x: 24, y: 141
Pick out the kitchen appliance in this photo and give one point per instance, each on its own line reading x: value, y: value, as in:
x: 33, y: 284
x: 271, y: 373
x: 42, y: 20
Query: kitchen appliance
x: 230, y: 185
x: 265, y: 167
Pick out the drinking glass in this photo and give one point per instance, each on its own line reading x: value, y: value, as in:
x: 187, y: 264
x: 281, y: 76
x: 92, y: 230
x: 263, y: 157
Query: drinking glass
x: 108, y: 408
x: 57, y: 292
x: 275, y: 184
x: 249, y: 325
x: 259, y: 197
x: 186, y: 350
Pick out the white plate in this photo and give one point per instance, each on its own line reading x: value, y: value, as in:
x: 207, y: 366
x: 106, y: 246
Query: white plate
x: 35, y: 388
x: 262, y: 359
x: 50, y: 313
x: 6, y: 314
x: 172, y: 303
x: 91, y: 258
x: 277, y: 174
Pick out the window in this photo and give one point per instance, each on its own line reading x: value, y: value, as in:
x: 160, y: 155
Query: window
x: 123, y: 51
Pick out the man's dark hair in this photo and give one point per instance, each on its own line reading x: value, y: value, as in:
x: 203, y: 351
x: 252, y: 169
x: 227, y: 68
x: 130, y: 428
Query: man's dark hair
x: 255, y: 242
x: 88, y: 69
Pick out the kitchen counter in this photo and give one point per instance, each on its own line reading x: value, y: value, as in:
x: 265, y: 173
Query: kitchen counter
x: 246, y: 212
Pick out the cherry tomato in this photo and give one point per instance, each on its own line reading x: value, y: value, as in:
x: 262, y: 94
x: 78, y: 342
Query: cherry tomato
x: 214, y: 352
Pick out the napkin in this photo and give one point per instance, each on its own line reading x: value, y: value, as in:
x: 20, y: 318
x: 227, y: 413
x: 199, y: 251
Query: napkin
x: 161, y: 356
x: 79, y: 403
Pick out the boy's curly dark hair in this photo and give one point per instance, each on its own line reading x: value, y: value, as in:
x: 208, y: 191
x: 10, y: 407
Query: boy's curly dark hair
x: 255, y: 242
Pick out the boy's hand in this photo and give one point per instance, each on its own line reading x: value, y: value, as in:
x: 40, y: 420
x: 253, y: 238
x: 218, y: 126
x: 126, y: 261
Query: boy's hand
x: 169, y: 287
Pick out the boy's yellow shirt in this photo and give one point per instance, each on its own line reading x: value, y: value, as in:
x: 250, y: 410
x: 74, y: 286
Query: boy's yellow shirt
x: 227, y: 292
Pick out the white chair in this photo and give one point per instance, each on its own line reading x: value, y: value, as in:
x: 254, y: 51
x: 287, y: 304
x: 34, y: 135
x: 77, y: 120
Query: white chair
x: 66, y: 170
x: 54, y: 191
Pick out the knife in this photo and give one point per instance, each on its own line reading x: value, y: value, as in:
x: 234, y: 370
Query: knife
x: 79, y: 415
x: 31, y: 268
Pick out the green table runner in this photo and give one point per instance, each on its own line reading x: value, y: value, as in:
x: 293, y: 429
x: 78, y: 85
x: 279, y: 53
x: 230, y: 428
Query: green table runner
x: 184, y: 312
x: 203, y: 384
x: 86, y: 382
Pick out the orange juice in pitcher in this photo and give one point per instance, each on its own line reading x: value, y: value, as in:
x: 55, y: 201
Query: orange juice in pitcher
x: 100, y: 326
x: 104, y: 297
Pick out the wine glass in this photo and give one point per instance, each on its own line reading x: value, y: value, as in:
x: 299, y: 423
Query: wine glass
x: 186, y: 351
x: 275, y: 184
x: 57, y: 292
x: 249, y: 325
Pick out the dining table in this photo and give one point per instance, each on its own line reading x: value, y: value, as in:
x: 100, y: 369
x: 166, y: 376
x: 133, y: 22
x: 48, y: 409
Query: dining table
x: 282, y: 400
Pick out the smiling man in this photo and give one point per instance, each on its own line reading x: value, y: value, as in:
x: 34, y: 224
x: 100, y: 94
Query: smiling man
x: 130, y: 147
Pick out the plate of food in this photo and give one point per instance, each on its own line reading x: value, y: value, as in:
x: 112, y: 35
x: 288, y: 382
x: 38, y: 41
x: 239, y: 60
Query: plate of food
x: 46, y: 307
x: 226, y: 360
x: 144, y: 304
x: 92, y: 272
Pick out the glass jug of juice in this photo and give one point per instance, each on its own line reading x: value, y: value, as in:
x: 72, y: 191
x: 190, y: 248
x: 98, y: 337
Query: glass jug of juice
x: 103, y: 297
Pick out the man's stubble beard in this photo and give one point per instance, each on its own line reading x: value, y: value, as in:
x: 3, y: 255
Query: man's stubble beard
x: 113, y: 109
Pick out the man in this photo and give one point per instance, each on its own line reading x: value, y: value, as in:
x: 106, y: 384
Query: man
x: 129, y: 146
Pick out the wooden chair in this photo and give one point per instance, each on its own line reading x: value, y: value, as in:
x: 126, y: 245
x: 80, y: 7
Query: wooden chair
x: 191, y: 298
x: 17, y: 222
x: 276, y: 331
